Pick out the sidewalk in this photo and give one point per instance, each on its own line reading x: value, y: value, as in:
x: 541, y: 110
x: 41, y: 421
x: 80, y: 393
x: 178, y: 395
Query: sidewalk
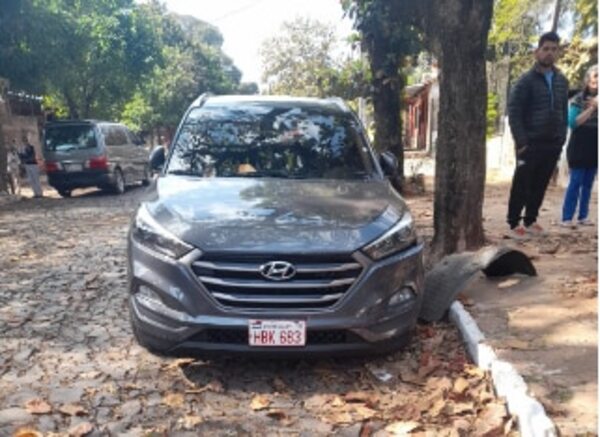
x: 545, y: 326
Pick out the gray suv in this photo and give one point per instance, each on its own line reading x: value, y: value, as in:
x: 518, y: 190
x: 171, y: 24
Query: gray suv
x: 273, y: 229
x: 87, y: 153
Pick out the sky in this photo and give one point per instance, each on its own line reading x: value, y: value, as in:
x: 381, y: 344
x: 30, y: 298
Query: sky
x: 245, y: 24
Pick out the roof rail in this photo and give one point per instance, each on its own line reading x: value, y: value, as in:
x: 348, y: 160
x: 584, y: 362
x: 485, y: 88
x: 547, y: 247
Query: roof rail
x: 202, y: 98
x: 340, y: 102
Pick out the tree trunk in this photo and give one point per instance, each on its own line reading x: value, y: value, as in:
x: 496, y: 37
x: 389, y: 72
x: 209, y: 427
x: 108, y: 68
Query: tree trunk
x: 3, y: 147
x: 387, y: 84
x: 458, y: 30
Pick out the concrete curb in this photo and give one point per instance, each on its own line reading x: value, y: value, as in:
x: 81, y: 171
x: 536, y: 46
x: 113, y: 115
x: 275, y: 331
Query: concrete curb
x: 532, y: 418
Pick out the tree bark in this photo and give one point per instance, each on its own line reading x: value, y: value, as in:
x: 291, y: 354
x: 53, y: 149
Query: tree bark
x: 3, y: 149
x: 387, y: 85
x: 458, y: 31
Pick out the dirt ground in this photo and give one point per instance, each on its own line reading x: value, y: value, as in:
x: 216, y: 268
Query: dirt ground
x: 546, y: 326
x: 69, y: 364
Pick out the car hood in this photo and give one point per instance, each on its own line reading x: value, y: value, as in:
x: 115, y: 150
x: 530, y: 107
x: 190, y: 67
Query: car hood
x: 275, y: 215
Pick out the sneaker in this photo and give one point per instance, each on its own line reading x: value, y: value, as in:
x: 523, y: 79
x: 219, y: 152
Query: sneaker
x: 518, y: 233
x: 585, y: 222
x: 535, y: 229
x: 567, y: 224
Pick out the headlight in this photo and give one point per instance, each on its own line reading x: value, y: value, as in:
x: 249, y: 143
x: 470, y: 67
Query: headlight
x: 399, y: 237
x: 149, y: 233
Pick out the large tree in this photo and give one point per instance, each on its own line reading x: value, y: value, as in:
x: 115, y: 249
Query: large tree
x: 457, y: 32
x: 387, y: 35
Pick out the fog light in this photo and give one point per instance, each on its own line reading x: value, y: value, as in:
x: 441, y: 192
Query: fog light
x: 404, y: 295
x: 148, y: 295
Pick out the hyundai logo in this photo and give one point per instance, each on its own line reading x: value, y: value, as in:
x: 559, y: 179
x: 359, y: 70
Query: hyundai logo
x: 278, y: 270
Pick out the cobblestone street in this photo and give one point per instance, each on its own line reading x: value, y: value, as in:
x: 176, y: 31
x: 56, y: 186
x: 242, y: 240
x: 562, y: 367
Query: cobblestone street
x: 69, y: 364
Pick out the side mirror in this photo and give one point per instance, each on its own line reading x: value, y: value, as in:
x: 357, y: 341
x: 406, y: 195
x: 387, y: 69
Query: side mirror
x: 389, y: 164
x: 157, y: 159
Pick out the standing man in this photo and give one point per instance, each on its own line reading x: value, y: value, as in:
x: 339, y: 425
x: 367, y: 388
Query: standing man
x: 537, y: 114
x: 28, y: 159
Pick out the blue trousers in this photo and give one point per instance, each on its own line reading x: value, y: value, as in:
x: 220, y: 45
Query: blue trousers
x: 579, y: 189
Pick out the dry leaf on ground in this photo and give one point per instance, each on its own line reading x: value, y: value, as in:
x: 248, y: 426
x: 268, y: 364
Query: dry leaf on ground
x: 27, y: 432
x: 402, y: 428
x: 173, y: 400
x: 38, y: 406
x: 460, y: 385
x: 189, y: 422
x: 81, y: 430
x: 259, y: 402
x: 72, y: 410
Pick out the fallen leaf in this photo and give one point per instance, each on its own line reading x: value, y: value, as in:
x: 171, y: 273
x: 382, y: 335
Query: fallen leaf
x: 402, y: 428
x: 369, y: 399
x: 214, y: 386
x: 491, y: 420
x: 338, y: 418
x: 180, y: 362
x: 27, y: 432
x: 461, y: 407
x: 189, y: 422
x: 437, y: 407
x: 460, y: 385
x: 509, y: 283
x: 337, y: 402
x: 173, y: 400
x: 81, y: 430
x: 316, y: 402
x: 72, y: 410
x: 38, y: 406
x: 410, y: 377
x: 362, y: 411
x: 259, y: 402
x: 474, y: 371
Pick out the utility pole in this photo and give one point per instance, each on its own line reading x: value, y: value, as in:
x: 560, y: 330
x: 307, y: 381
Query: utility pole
x: 556, y: 15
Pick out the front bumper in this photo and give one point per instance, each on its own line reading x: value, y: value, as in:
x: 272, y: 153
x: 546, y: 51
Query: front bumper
x: 188, y: 319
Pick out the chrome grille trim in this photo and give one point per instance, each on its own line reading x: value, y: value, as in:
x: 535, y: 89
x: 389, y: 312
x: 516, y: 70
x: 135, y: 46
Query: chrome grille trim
x: 235, y: 280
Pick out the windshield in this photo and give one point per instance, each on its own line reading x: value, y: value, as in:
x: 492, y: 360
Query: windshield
x: 263, y: 140
x: 70, y: 137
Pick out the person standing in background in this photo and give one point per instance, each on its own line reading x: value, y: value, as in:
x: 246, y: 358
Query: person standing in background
x: 29, y: 160
x: 582, y: 151
x: 537, y: 114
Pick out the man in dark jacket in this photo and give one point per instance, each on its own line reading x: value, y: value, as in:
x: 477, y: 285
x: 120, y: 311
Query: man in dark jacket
x: 537, y: 113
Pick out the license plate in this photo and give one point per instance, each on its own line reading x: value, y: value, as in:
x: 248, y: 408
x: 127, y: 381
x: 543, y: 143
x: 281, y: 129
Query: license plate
x: 73, y: 167
x: 277, y: 333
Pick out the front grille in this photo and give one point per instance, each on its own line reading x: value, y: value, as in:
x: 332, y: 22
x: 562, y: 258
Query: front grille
x: 236, y: 280
x: 239, y: 336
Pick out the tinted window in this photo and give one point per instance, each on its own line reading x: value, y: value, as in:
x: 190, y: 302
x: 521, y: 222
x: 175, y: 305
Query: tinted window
x: 264, y: 140
x: 114, y: 136
x: 70, y: 137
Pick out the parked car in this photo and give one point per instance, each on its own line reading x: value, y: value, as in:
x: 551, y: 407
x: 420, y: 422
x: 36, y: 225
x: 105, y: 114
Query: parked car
x: 273, y: 229
x: 88, y: 153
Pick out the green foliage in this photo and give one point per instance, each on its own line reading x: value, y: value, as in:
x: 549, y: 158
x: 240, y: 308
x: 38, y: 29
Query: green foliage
x: 491, y: 114
x: 578, y: 57
x: 112, y: 58
x: 299, y: 59
x: 586, y: 18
